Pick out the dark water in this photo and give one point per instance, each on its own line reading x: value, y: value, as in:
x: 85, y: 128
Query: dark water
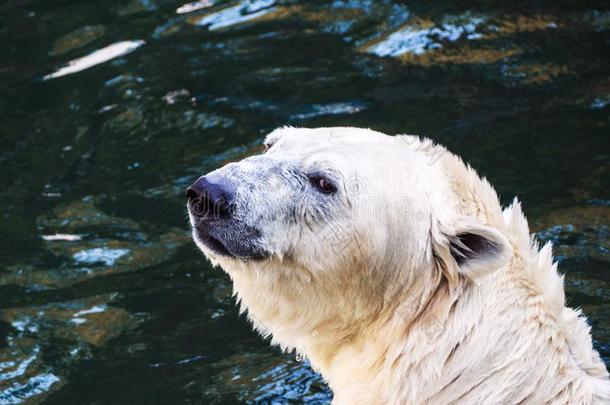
x: 103, y: 299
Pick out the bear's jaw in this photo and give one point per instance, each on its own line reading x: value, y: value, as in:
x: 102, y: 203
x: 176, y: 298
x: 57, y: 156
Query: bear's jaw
x: 299, y: 311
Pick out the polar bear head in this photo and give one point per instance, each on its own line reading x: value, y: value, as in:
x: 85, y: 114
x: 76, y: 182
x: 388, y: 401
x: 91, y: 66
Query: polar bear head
x: 332, y: 227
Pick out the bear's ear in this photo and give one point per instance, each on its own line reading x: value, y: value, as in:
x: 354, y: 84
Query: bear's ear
x: 270, y: 140
x: 274, y: 136
x: 475, y: 250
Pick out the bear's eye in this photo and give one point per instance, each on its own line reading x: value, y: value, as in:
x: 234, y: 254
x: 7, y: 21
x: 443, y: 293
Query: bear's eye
x: 323, y: 184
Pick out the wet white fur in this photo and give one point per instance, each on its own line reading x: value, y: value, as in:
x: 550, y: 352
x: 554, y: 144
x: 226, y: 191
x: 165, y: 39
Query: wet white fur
x: 382, y: 309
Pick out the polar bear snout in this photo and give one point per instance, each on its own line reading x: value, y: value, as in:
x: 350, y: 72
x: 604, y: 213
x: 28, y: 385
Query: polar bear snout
x: 219, y: 221
x: 210, y: 199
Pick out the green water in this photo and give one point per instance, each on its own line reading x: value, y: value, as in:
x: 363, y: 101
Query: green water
x: 104, y: 299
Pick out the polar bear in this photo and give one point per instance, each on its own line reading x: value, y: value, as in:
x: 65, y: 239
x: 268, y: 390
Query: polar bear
x: 390, y: 265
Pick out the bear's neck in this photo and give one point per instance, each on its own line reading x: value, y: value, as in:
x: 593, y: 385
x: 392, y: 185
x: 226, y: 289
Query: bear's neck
x: 409, y: 339
x: 457, y: 349
x: 356, y: 344
x: 436, y: 347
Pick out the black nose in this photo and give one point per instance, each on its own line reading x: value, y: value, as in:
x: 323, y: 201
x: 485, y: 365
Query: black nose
x: 209, y: 199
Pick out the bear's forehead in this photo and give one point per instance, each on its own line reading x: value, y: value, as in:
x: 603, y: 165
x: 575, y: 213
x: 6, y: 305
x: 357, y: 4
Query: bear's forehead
x: 332, y: 136
x: 335, y: 142
x: 345, y: 146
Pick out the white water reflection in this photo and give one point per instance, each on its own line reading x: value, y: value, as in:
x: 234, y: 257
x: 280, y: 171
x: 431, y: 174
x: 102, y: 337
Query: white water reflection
x: 417, y: 41
x: 316, y: 110
x: 62, y: 236
x: 240, y: 13
x: 600, y: 103
x: 93, y: 310
x: 292, y: 382
x: 194, y: 6
x: 21, y: 368
x: 25, y: 373
x: 96, y: 57
x: 20, y: 392
x: 25, y: 324
x: 100, y: 255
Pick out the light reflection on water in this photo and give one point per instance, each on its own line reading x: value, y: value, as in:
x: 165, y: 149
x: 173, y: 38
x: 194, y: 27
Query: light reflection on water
x: 97, y: 255
x: 194, y: 6
x: 418, y: 41
x: 100, y: 284
x: 18, y: 393
x: 95, y: 58
x: 238, y: 14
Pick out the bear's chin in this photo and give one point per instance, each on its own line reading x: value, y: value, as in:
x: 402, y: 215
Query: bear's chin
x: 218, y: 251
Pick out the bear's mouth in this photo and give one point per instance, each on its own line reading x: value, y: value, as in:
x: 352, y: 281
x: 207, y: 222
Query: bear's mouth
x: 214, y: 245
x: 237, y: 248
